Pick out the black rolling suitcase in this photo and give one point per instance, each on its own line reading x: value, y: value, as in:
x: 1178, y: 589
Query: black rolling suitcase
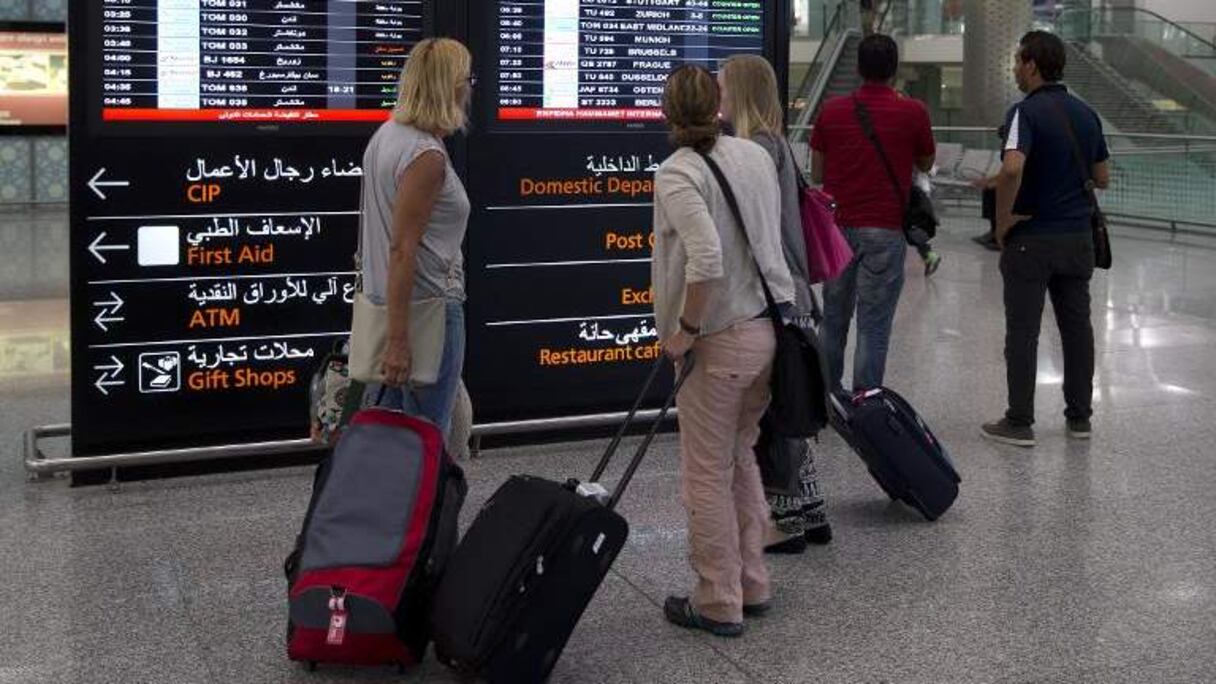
x: 528, y: 566
x: 903, y: 455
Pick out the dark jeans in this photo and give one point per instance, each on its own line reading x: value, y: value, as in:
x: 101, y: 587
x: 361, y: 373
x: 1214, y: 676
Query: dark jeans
x: 871, y: 286
x: 1034, y: 267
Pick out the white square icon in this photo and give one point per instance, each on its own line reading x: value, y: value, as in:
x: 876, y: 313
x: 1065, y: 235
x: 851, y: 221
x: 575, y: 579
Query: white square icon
x: 160, y: 372
x: 159, y: 246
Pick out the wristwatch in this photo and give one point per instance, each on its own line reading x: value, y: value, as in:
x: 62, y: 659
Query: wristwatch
x: 690, y: 329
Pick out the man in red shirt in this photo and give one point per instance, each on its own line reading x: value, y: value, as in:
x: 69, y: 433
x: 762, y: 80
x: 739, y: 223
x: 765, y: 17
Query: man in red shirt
x: 851, y: 169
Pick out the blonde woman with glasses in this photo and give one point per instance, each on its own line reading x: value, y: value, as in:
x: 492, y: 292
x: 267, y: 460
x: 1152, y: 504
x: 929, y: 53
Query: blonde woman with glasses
x: 752, y: 107
x: 415, y: 214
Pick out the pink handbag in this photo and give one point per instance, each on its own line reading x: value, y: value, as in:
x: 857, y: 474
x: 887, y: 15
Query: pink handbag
x: 827, y: 252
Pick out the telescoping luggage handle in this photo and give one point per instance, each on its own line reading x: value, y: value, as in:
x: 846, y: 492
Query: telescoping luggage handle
x: 684, y: 370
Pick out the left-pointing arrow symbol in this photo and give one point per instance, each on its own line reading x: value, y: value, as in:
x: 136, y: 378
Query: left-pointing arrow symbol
x: 96, y: 183
x: 97, y: 248
x: 109, y: 376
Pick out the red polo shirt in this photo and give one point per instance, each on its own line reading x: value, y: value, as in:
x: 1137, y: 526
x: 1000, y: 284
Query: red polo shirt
x: 853, y: 172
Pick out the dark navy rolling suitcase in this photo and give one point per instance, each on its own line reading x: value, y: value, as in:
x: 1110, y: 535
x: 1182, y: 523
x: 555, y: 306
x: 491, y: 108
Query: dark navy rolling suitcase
x: 903, y: 455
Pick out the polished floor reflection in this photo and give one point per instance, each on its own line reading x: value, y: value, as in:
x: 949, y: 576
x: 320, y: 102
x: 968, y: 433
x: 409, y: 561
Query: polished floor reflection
x: 1072, y: 562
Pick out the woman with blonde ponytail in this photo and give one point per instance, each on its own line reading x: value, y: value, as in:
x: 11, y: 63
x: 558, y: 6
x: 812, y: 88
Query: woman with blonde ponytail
x: 752, y: 106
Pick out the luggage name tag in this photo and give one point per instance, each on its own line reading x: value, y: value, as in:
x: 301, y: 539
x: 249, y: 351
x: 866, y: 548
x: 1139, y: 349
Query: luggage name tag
x: 337, y: 620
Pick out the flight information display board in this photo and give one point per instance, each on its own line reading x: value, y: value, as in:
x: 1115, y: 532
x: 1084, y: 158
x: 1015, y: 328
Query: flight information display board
x: 215, y: 199
x: 609, y: 59
x: 251, y: 60
x: 213, y: 239
x: 562, y: 156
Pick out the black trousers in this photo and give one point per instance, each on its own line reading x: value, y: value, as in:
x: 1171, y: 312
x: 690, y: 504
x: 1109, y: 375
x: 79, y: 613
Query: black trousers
x: 988, y: 209
x: 1034, y: 267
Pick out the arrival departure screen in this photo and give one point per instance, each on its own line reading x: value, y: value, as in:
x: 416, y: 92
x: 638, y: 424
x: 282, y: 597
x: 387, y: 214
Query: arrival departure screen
x: 212, y: 228
x: 253, y: 60
x: 608, y: 60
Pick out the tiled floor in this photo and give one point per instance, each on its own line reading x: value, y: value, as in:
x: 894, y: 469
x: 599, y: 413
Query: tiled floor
x: 1069, y: 563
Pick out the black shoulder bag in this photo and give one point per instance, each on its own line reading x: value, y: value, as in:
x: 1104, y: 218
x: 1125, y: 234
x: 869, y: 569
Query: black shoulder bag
x: 1097, y: 220
x: 918, y: 207
x: 799, y: 404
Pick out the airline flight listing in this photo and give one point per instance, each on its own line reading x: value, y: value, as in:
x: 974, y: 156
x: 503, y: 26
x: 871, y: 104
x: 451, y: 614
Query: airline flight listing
x: 609, y: 59
x: 253, y: 60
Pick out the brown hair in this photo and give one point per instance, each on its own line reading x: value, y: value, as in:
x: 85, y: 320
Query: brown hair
x: 751, y: 87
x: 429, y: 94
x: 690, y: 102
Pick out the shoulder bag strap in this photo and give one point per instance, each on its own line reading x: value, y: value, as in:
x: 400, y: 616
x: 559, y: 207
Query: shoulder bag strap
x: 867, y: 127
x: 733, y: 203
x: 1078, y: 155
x: 359, y: 233
x: 803, y: 187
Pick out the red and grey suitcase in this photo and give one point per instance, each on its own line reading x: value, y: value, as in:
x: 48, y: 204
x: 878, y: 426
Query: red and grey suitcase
x: 900, y: 450
x: 529, y: 565
x: 380, y: 527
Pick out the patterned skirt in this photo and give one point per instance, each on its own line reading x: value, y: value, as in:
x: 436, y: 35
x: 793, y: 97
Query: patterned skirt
x: 797, y: 515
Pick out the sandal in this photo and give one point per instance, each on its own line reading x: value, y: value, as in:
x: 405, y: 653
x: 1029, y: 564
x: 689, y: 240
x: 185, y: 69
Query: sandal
x: 679, y: 611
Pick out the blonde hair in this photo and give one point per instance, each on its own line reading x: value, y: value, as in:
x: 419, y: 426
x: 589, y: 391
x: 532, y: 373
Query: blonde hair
x: 751, y: 88
x: 690, y: 103
x: 428, y: 91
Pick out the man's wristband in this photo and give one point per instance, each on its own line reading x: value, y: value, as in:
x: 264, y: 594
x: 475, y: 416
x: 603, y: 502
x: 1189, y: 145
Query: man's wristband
x: 690, y: 329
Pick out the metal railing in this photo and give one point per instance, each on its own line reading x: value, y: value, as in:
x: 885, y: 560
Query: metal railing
x: 1086, y: 24
x: 814, y: 18
x: 1176, y: 65
x: 804, y: 99
x: 1156, y: 180
x: 38, y: 464
x: 926, y: 18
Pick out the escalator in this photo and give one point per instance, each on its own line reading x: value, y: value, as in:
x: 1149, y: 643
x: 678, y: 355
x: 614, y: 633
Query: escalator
x: 1145, y: 73
x: 833, y: 70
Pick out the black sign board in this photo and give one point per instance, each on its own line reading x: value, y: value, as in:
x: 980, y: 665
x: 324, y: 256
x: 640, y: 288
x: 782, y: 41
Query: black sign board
x: 215, y: 167
x: 215, y: 154
x: 566, y: 139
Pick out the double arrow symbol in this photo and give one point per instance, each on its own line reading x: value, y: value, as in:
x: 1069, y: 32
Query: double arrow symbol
x: 109, y: 375
x: 109, y: 311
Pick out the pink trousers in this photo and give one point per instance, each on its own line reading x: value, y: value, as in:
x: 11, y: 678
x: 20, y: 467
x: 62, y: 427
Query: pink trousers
x: 720, y: 407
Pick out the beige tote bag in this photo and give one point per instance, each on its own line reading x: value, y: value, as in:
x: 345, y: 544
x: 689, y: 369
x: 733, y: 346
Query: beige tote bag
x: 369, y: 338
x: 369, y: 334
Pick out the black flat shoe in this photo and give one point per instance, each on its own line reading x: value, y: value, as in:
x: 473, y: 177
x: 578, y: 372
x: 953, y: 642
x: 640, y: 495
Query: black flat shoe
x: 791, y: 547
x: 819, y: 536
x: 679, y: 611
x: 757, y: 609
